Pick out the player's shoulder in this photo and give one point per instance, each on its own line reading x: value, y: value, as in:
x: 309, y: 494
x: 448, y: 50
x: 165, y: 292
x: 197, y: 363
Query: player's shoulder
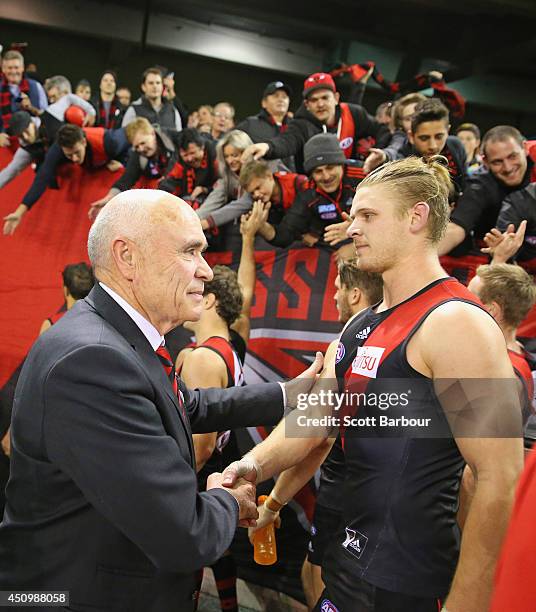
x: 203, y: 357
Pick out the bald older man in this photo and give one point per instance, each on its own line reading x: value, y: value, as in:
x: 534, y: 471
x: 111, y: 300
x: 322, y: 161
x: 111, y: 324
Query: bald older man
x: 102, y: 500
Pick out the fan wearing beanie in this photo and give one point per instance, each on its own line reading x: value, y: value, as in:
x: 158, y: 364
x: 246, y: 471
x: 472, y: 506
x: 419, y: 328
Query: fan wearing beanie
x: 320, y: 213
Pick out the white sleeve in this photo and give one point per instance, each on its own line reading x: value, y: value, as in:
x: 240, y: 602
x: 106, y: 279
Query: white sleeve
x: 130, y: 115
x: 21, y: 160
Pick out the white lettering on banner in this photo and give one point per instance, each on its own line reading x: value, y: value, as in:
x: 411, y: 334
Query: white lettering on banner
x: 367, y: 360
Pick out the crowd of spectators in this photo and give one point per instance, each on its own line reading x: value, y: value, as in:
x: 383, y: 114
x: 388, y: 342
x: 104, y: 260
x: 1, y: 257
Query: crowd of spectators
x: 292, y: 174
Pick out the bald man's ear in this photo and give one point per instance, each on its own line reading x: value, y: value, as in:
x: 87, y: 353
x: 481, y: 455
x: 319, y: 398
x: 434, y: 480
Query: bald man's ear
x: 123, y: 252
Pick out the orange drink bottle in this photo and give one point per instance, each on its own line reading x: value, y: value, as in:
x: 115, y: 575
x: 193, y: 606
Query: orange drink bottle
x: 265, y: 551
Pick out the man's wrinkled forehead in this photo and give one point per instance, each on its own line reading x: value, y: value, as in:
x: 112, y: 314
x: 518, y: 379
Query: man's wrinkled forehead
x: 178, y: 219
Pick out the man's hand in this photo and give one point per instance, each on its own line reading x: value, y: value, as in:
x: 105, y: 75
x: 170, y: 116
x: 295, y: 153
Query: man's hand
x: 304, y: 382
x: 13, y: 219
x: 25, y: 102
x: 375, y: 158
x: 6, y: 443
x: 503, y: 247
x: 309, y: 240
x: 96, y: 207
x: 335, y: 233
x: 255, y: 151
x: 114, y: 165
x: 244, y: 493
x: 246, y: 468
x: 266, y: 517
x: 89, y: 121
x: 197, y: 191
x: 4, y: 140
x: 169, y: 84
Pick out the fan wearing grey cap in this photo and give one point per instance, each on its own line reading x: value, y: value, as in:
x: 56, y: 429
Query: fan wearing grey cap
x: 36, y: 134
x: 273, y: 118
x: 319, y: 215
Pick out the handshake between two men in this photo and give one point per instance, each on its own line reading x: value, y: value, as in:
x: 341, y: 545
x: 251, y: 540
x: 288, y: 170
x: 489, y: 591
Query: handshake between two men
x: 273, y: 454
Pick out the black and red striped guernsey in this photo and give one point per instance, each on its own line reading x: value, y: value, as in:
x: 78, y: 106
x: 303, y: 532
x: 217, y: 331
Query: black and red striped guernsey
x: 400, y: 496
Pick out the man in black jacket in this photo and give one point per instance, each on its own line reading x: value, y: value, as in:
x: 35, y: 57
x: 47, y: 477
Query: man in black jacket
x: 103, y: 500
x: 507, y: 168
x: 273, y: 119
x: 322, y: 112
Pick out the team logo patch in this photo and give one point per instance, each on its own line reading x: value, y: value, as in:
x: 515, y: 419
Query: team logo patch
x: 346, y: 143
x: 328, y: 606
x: 355, y: 542
x: 367, y: 360
x: 341, y: 351
x: 313, y: 530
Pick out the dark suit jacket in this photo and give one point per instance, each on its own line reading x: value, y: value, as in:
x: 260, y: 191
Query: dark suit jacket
x: 102, y: 499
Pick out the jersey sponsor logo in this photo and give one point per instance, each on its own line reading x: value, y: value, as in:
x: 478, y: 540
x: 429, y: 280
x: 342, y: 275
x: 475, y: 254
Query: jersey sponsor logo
x: 328, y: 606
x: 355, y: 542
x: 330, y: 215
x: 341, y: 351
x: 346, y: 143
x: 367, y: 360
x: 363, y: 334
x: 326, y: 208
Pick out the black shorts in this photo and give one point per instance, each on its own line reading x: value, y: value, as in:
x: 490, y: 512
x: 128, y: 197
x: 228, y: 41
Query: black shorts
x: 325, y: 523
x: 368, y: 598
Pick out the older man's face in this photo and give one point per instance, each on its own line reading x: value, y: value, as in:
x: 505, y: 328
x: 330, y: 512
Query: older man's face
x: 171, y: 271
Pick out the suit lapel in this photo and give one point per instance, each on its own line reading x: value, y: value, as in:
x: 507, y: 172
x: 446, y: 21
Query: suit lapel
x: 110, y: 310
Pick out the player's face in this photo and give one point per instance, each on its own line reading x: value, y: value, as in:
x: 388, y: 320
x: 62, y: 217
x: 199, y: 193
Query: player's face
x: 232, y: 157
x: 322, y: 103
x: 328, y: 177
x: 507, y: 160
x: 192, y: 155
x: 76, y: 153
x: 341, y: 301
x: 261, y: 188
x: 144, y: 143
x: 171, y: 270
x: 430, y: 137
x: 377, y: 229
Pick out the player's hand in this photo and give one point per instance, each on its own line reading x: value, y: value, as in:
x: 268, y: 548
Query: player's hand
x: 336, y: 233
x: 266, y: 517
x: 4, y: 140
x: 246, y: 468
x: 309, y: 240
x: 255, y: 151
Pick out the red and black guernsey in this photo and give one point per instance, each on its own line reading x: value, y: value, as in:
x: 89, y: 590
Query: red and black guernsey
x: 523, y: 372
x: 400, y: 497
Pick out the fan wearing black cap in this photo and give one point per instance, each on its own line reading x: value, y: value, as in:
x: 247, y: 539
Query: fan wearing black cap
x: 322, y: 112
x: 320, y: 213
x: 273, y: 118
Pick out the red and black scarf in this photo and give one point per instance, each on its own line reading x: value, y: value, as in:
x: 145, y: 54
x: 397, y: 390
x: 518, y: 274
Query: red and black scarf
x: 450, y: 97
x: 109, y: 121
x: 6, y: 97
